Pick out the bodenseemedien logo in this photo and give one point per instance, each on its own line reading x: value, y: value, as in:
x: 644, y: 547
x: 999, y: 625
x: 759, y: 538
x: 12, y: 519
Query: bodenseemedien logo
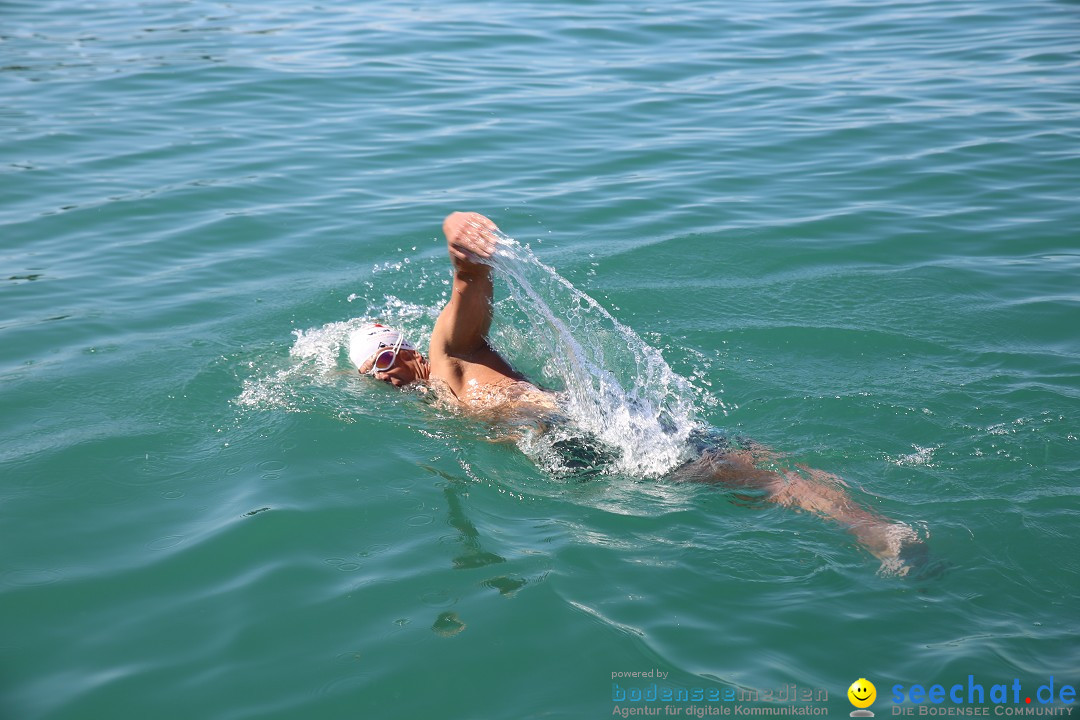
x: 862, y: 694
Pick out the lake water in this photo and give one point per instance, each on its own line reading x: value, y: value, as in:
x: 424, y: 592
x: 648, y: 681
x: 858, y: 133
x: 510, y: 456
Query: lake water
x: 850, y: 229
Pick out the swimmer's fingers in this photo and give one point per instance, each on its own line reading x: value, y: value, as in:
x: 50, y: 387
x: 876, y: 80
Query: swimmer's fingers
x: 477, y: 238
x: 481, y: 247
x: 458, y: 225
x: 462, y: 255
x: 470, y: 236
x: 479, y: 222
x: 458, y: 254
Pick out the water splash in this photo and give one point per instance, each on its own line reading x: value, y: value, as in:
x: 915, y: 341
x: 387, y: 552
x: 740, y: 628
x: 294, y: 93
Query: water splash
x: 616, y: 388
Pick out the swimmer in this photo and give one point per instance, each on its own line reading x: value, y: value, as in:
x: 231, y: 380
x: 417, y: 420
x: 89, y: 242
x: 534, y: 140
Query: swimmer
x: 466, y: 371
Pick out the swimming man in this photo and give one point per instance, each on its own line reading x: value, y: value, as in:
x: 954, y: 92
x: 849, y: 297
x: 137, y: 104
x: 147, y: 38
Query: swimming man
x: 463, y: 368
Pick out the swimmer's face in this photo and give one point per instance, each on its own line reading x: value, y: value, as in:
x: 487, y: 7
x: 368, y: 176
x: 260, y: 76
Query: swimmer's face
x: 408, y: 368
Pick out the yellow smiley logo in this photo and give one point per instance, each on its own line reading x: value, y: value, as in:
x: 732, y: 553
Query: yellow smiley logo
x: 862, y: 693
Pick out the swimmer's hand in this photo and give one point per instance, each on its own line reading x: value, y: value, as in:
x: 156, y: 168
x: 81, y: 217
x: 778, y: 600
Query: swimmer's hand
x: 471, y: 239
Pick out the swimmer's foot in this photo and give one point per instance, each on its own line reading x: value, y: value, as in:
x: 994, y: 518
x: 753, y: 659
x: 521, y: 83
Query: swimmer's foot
x: 897, y: 546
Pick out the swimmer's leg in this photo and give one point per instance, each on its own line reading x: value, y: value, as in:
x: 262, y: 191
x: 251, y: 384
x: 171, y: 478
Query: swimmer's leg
x: 815, y: 491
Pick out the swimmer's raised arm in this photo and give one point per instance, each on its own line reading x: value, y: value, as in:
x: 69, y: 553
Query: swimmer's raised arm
x: 464, y: 323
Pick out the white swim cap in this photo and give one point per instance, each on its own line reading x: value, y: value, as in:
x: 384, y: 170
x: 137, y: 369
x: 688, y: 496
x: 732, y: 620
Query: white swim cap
x: 366, y: 341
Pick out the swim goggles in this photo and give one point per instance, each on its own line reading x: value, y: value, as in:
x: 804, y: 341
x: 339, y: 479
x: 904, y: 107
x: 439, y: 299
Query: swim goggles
x: 386, y: 356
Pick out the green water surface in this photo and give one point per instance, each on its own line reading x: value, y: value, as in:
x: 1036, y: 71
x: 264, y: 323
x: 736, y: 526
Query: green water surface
x: 851, y: 225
